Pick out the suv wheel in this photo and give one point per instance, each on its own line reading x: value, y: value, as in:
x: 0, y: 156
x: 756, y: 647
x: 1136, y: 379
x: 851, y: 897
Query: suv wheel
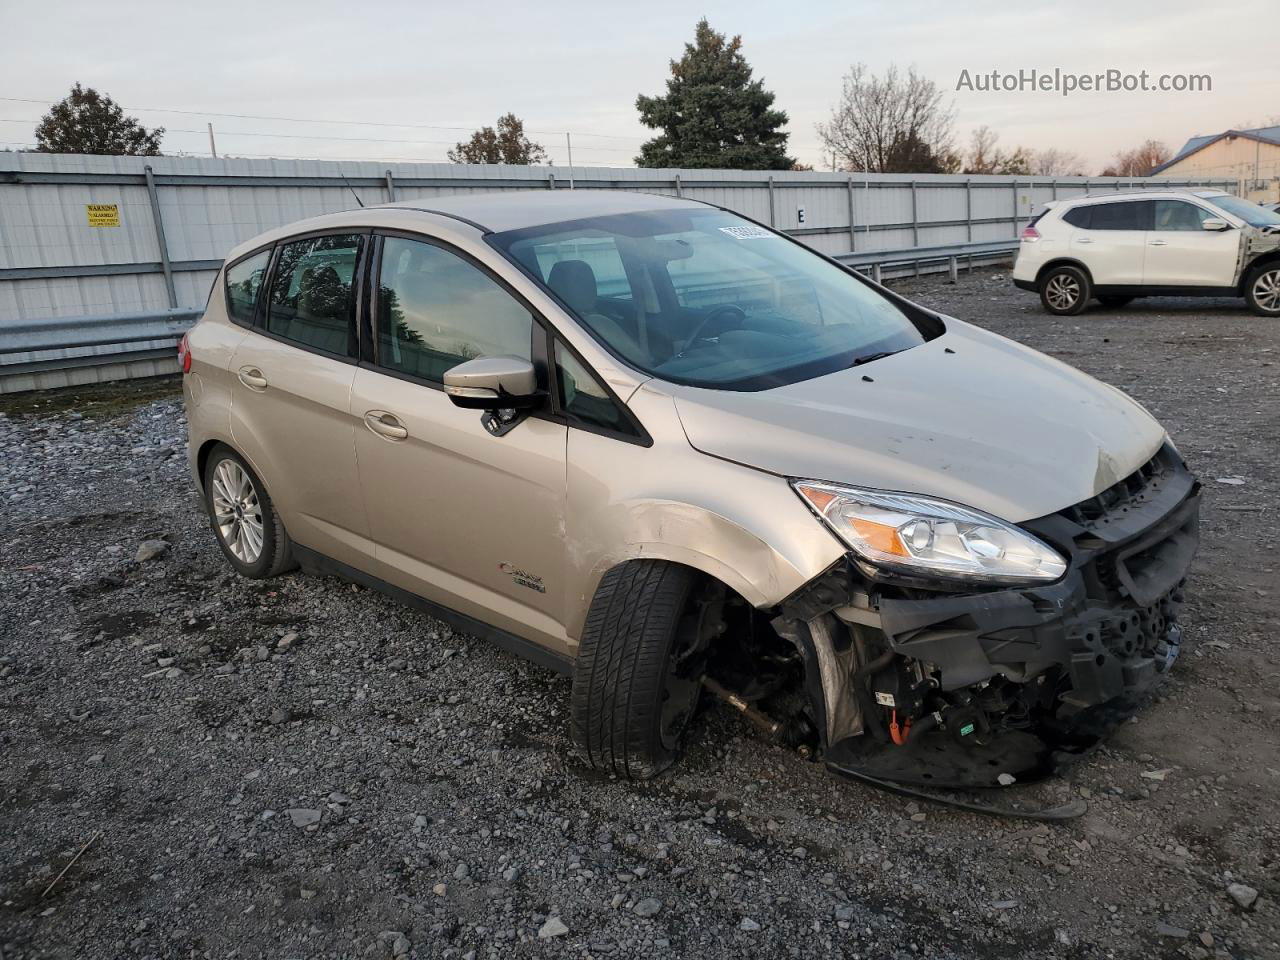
x: 1064, y: 291
x: 1262, y: 290
x: 1113, y: 301
x: 243, y: 518
x: 639, y: 670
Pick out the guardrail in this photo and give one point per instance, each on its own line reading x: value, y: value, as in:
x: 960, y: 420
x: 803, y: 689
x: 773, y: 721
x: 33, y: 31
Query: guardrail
x: 50, y: 352
x: 66, y: 351
x: 918, y: 257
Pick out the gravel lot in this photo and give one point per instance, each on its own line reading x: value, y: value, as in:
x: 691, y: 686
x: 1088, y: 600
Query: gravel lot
x: 302, y: 768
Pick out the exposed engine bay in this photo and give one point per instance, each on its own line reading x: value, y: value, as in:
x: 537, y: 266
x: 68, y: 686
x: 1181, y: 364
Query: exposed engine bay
x: 919, y: 685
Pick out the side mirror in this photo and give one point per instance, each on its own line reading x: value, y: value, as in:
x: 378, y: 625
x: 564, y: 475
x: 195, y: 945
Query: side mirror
x: 493, y: 383
x: 1215, y: 223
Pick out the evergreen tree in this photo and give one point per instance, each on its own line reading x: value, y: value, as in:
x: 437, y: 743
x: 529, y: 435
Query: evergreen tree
x: 89, y: 122
x: 714, y: 114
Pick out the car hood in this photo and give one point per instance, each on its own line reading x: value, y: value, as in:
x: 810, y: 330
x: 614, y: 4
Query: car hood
x: 969, y: 417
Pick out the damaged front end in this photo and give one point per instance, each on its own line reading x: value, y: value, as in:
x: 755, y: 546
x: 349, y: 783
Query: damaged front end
x: 945, y: 685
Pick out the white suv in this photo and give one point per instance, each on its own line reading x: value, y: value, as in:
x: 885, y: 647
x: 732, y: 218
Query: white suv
x: 1167, y: 243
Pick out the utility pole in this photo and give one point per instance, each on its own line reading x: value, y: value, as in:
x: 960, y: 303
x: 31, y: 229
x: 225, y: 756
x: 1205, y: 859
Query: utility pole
x: 213, y: 148
x: 568, y: 142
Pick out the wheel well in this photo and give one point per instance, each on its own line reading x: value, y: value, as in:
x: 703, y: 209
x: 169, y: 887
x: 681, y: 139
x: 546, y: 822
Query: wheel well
x: 1063, y: 262
x: 202, y: 457
x: 1271, y: 256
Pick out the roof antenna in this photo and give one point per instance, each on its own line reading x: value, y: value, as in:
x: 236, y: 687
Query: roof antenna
x: 351, y: 188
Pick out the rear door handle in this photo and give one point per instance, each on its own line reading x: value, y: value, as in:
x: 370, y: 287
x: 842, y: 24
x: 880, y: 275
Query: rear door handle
x: 252, y: 378
x: 385, y: 425
x: 1159, y: 243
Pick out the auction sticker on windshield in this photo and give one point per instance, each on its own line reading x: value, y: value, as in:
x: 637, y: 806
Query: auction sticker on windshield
x: 747, y: 232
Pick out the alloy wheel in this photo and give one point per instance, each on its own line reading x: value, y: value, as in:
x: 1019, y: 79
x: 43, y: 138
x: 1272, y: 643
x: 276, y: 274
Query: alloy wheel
x: 236, y: 511
x: 1266, y: 290
x: 1063, y: 291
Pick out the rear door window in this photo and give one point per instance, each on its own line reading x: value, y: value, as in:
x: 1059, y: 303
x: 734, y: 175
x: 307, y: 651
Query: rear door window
x: 244, y: 280
x: 436, y: 310
x: 313, y: 300
x: 1126, y: 215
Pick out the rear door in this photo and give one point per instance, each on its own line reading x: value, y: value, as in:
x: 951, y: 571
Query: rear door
x: 1181, y: 253
x: 469, y: 520
x: 291, y: 399
x: 1111, y: 240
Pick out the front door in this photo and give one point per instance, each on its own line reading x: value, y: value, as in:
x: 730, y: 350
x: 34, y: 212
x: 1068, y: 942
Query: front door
x: 1181, y: 253
x: 472, y: 521
x: 290, y: 407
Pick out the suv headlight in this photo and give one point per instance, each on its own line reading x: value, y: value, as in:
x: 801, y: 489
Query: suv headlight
x: 920, y: 535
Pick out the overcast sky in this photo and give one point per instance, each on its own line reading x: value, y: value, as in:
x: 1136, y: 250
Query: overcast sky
x: 578, y: 66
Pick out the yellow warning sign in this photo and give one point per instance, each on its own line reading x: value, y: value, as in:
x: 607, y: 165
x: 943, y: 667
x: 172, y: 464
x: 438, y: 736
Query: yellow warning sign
x: 103, y: 214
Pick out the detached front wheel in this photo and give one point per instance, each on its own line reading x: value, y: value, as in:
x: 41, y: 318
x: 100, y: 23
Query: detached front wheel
x: 638, y: 675
x: 1064, y: 291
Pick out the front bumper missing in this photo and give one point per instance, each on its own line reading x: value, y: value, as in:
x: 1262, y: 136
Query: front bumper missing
x: 1069, y: 661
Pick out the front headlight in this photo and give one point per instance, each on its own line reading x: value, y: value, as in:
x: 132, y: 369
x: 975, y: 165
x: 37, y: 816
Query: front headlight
x: 928, y: 537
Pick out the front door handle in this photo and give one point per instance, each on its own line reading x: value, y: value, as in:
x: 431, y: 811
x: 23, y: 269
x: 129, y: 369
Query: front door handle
x: 252, y: 378
x: 385, y: 425
x: 1159, y: 243
x: 1084, y: 240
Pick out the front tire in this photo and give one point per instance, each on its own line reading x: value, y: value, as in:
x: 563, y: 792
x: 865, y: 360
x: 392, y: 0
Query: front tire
x: 638, y: 675
x: 1065, y: 290
x: 243, y: 518
x: 1262, y: 290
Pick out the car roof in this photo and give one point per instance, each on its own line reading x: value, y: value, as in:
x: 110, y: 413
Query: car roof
x: 517, y: 209
x: 496, y: 212
x: 1139, y: 195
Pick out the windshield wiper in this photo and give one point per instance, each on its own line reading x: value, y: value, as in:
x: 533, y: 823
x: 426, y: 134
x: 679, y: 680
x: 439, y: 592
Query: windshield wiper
x: 867, y: 358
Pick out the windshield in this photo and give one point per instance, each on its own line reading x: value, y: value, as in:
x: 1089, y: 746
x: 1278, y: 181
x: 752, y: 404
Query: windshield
x: 1246, y: 210
x: 705, y: 298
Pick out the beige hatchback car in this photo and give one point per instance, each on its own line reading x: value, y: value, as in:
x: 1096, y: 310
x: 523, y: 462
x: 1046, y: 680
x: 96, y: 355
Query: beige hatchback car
x: 669, y: 451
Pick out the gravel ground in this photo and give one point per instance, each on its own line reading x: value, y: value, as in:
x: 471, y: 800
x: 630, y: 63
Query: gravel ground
x: 301, y: 768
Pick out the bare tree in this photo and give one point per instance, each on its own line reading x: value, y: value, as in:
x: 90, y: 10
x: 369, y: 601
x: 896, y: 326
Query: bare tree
x: 1138, y: 162
x: 898, y: 123
x: 1052, y: 162
x: 985, y: 155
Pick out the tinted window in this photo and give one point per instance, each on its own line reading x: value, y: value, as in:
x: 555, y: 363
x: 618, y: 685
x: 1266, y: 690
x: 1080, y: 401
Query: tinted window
x: 584, y: 397
x: 1179, y: 215
x: 243, y: 282
x: 1132, y: 215
x: 1079, y: 216
x: 718, y: 301
x: 436, y: 310
x: 313, y: 293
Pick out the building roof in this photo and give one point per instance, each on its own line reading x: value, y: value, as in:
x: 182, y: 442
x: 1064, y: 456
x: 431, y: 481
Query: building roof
x: 1195, y: 144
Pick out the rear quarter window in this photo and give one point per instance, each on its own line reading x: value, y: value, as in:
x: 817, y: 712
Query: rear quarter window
x: 243, y: 282
x: 1079, y: 217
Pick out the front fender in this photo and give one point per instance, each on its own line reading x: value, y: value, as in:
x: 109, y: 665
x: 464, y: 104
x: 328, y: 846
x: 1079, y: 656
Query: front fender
x: 745, y: 527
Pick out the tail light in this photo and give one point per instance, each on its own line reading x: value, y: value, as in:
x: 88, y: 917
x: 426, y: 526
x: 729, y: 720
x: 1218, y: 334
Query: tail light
x: 184, y: 353
x: 1031, y: 234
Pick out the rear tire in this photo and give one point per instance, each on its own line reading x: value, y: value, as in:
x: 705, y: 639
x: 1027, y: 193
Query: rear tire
x: 1065, y: 290
x: 1115, y: 302
x: 1262, y: 289
x: 243, y: 518
x: 638, y: 675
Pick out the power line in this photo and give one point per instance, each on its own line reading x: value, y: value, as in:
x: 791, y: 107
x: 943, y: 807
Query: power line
x: 361, y: 123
